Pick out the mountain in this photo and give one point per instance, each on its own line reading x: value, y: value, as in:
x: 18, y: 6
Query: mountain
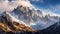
x: 54, y: 29
x: 7, y: 25
x: 34, y: 18
x: 27, y: 13
x: 27, y: 20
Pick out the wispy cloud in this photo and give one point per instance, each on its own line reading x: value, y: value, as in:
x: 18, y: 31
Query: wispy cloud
x: 52, y: 10
x: 5, y: 5
x: 38, y: 1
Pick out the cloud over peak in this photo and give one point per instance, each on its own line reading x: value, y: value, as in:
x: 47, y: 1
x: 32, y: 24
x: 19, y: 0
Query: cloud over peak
x: 8, y: 5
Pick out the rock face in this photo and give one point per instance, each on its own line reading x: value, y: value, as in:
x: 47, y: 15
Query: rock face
x: 54, y: 29
x: 7, y: 25
x: 26, y: 14
x: 34, y: 18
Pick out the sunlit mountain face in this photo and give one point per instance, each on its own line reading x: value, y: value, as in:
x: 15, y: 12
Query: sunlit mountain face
x: 30, y: 16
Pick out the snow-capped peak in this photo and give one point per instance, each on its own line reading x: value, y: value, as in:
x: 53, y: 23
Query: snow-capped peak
x: 34, y: 18
x: 31, y: 17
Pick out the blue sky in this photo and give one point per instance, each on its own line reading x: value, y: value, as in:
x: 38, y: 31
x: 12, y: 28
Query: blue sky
x: 45, y: 3
x: 49, y: 5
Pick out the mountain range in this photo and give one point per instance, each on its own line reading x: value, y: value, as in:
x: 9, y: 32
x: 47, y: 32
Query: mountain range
x: 28, y: 20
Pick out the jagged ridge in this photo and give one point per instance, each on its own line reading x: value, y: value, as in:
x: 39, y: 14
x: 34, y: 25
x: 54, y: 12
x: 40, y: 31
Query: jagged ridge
x: 7, y: 25
x: 34, y: 18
